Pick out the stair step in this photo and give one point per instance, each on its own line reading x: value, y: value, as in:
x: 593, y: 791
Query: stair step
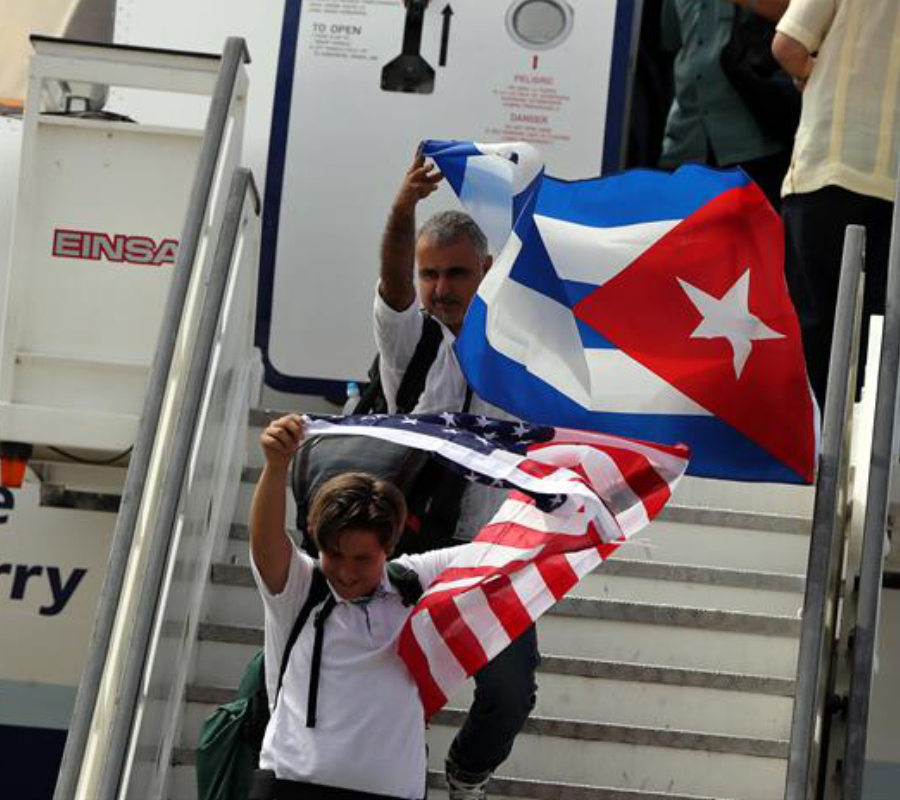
x: 748, y: 520
x: 547, y: 727
x: 240, y: 575
x: 678, y: 616
x: 655, y: 767
x: 515, y: 787
x: 695, y: 775
x: 670, y: 676
x: 578, y: 607
x: 709, y: 576
x: 617, y: 699
x: 546, y: 790
x: 675, y: 542
x: 635, y: 735
x: 592, y: 668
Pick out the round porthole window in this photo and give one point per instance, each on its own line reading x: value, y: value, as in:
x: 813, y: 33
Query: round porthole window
x: 539, y: 24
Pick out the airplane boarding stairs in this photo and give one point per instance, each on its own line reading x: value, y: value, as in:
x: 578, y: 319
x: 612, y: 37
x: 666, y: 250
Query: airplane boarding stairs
x: 667, y: 674
x: 680, y: 670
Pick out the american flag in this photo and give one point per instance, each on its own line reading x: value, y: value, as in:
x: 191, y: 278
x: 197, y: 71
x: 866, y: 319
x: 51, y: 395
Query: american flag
x: 574, y: 497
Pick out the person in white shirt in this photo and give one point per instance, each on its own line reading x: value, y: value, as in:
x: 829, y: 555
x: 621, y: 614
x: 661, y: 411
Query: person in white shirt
x: 364, y: 735
x: 437, y: 273
x: 844, y: 165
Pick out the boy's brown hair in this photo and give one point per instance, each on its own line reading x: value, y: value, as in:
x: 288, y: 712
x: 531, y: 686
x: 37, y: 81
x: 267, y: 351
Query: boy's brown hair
x: 357, y: 501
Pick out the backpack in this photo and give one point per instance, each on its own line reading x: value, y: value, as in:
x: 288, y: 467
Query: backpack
x: 433, y: 492
x: 231, y: 737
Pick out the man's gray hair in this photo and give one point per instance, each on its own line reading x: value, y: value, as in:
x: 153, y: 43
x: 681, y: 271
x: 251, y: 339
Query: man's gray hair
x: 446, y: 227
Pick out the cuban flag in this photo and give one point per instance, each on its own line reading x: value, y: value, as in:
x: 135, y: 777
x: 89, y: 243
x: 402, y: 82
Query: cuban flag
x: 643, y: 304
x: 575, y: 497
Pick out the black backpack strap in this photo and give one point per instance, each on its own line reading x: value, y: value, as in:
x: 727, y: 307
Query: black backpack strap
x: 371, y: 400
x: 413, y: 383
x: 404, y: 580
x: 315, y: 666
x: 318, y: 590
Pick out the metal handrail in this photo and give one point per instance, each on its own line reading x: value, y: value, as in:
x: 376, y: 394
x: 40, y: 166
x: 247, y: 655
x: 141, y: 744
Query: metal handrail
x: 242, y: 186
x: 871, y: 566
x: 814, y: 667
x: 233, y: 56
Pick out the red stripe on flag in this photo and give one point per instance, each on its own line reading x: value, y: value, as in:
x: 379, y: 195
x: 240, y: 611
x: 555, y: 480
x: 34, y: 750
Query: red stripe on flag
x: 458, y: 636
x: 512, y: 534
x: 557, y: 574
x: 507, y: 606
x: 433, y: 699
x: 536, y: 469
x: 643, y: 479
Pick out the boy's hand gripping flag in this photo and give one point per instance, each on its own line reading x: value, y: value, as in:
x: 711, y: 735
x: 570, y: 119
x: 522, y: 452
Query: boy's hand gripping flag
x: 643, y: 304
x: 576, y: 497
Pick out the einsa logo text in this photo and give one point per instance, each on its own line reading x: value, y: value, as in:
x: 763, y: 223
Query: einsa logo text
x: 117, y: 248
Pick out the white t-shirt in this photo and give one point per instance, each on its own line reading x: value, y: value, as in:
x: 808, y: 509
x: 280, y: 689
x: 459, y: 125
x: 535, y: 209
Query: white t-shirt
x: 396, y: 334
x: 370, y: 726
x: 849, y: 130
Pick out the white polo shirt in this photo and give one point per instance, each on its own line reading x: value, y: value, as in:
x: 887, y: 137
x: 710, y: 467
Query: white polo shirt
x: 370, y: 726
x: 396, y: 334
x: 849, y: 130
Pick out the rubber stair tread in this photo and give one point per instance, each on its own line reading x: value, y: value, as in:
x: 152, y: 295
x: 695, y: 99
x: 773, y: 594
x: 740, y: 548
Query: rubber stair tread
x: 637, y: 735
x: 599, y: 669
x: 504, y: 786
x: 621, y: 611
x: 550, y: 790
x: 657, y: 570
x: 584, y: 730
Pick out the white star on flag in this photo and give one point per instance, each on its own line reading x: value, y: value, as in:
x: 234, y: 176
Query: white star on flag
x: 729, y: 318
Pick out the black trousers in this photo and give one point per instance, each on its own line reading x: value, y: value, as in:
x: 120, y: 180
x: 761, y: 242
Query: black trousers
x: 814, y: 228
x: 505, y: 694
x: 265, y: 786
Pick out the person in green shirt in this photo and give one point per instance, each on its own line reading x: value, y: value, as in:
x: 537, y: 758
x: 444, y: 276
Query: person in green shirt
x: 708, y: 122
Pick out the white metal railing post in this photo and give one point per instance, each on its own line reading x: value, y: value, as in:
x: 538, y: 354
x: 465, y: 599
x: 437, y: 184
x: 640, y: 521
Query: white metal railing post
x: 868, y: 586
x: 814, y: 674
x: 88, y: 725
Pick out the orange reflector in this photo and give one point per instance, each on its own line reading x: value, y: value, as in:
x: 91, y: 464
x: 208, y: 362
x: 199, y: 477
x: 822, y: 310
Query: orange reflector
x: 12, y: 471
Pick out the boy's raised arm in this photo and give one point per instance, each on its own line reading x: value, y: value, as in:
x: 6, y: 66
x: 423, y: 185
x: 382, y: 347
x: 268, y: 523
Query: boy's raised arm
x: 269, y: 543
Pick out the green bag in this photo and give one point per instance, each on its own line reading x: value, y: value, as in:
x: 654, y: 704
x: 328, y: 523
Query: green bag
x: 231, y: 738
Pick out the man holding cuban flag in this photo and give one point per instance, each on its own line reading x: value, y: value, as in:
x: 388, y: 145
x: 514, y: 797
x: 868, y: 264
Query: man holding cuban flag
x: 643, y: 304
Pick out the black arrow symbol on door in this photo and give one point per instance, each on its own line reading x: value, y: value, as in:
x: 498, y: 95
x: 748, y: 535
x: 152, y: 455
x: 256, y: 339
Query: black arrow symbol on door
x: 445, y: 34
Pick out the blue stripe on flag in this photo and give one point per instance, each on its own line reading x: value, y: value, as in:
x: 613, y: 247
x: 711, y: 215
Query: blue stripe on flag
x: 454, y: 166
x: 637, y: 196
x: 534, y: 269
x: 576, y: 291
x: 717, y: 449
x: 592, y: 339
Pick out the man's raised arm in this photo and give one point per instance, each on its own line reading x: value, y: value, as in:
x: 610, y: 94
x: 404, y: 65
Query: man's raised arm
x: 398, y: 245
